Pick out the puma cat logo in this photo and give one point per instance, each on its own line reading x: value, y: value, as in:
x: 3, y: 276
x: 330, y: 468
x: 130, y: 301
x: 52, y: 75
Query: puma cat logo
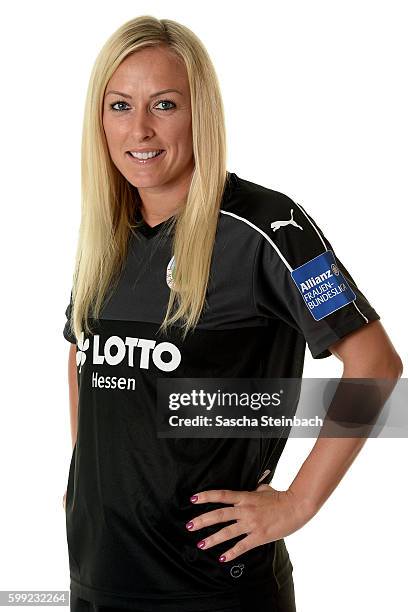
x: 277, y: 224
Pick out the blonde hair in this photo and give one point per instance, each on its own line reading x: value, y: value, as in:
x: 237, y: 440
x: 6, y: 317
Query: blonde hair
x: 108, y: 200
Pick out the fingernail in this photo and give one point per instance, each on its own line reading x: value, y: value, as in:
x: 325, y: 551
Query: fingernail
x: 190, y: 525
x: 222, y: 558
x: 193, y: 498
x: 201, y: 544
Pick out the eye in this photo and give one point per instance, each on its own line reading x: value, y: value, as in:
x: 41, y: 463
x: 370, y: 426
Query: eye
x: 115, y: 103
x: 166, y: 102
x: 118, y: 110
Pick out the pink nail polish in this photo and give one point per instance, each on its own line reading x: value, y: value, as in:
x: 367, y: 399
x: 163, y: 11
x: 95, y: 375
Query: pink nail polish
x: 193, y: 498
x: 201, y: 544
x: 222, y: 558
x: 190, y: 525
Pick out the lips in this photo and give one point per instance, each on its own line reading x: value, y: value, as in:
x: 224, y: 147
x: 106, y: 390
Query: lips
x: 161, y: 151
x: 150, y: 161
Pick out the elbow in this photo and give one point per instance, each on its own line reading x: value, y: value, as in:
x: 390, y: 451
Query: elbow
x: 390, y: 367
x: 380, y: 365
x: 398, y: 366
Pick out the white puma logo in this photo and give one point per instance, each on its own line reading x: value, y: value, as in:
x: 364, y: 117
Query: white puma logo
x: 277, y: 224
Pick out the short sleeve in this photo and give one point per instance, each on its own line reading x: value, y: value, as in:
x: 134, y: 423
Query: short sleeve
x: 298, y: 278
x: 67, y: 332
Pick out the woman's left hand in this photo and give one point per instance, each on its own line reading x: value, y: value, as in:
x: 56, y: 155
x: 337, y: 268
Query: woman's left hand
x: 265, y: 515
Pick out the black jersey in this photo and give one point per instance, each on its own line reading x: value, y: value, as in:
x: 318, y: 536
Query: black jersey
x: 275, y: 285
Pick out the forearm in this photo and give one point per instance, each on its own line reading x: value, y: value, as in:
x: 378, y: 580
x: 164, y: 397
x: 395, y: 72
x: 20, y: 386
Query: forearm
x: 331, y: 457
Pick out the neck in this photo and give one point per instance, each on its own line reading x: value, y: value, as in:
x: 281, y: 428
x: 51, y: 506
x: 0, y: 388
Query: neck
x: 163, y: 201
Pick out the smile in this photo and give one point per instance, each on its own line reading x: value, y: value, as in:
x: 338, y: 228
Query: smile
x: 145, y: 158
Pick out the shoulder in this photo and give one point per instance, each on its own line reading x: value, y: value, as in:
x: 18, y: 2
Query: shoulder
x: 255, y: 203
x: 275, y: 218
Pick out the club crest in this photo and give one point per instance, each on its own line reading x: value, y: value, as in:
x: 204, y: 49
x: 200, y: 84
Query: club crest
x: 169, y: 273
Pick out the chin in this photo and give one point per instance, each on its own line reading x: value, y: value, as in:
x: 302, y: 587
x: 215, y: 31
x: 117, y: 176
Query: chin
x: 144, y: 182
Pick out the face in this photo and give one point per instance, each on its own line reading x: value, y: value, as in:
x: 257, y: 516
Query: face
x: 137, y: 117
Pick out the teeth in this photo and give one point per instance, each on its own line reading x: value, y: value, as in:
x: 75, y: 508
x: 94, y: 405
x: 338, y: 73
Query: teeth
x: 145, y: 155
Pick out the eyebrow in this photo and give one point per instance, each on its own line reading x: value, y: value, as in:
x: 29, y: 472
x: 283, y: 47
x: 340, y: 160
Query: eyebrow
x: 120, y: 93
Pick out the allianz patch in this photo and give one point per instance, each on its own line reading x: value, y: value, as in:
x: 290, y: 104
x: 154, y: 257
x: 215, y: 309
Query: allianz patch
x: 322, y: 285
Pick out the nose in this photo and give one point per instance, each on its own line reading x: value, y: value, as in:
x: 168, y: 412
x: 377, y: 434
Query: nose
x: 141, y: 124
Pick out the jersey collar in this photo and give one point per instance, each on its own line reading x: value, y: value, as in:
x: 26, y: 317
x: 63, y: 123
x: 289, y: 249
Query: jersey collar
x: 147, y: 230
x: 150, y: 231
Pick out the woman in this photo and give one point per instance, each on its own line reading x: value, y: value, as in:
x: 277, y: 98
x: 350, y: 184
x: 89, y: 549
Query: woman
x: 187, y: 524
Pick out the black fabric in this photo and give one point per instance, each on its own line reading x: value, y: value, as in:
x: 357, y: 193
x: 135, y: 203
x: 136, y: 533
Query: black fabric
x: 286, y: 603
x: 283, y: 601
x: 67, y: 331
x: 128, y: 490
x: 276, y: 294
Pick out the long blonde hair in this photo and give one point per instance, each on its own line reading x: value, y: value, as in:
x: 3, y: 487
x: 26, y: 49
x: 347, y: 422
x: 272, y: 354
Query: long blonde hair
x: 108, y: 200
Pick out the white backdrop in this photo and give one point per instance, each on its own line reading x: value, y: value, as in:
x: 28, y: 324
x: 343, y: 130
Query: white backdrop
x: 315, y: 99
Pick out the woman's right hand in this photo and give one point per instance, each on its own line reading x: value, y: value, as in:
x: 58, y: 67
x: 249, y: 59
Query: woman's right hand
x: 64, y: 500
